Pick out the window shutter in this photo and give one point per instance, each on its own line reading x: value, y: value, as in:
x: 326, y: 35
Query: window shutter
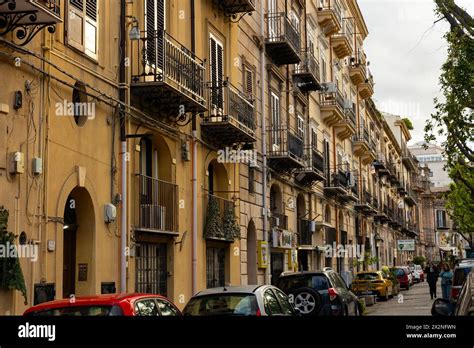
x: 214, y: 86
x: 160, y: 27
x: 249, y: 82
x: 150, y: 29
x: 220, y: 74
x: 91, y: 29
x: 76, y: 24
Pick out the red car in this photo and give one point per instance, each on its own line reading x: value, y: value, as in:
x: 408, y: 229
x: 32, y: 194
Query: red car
x: 107, y: 305
x: 403, y: 277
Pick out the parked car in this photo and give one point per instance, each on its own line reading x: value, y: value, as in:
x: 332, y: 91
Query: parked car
x: 415, y: 273
x: 247, y: 300
x: 464, y: 305
x: 460, y: 273
x: 372, y: 282
x: 404, y: 276
x: 319, y: 293
x: 107, y: 305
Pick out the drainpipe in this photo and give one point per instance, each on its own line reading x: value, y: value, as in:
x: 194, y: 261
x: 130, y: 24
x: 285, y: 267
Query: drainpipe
x: 264, y: 135
x: 123, y: 140
x: 194, y: 165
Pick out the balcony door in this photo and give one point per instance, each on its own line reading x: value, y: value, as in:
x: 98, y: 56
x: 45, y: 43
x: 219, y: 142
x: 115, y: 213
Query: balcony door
x: 154, y: 27
x: 273, y: 20
x: 276, y: 122
x: 216, y: 75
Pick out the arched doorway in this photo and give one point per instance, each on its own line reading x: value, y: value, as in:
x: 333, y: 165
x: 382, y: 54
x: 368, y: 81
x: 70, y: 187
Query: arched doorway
x: 304, y: 233
x: 278, y: 221
x: 78, y: 244
x: 251, y: 254
x: 218, y: 204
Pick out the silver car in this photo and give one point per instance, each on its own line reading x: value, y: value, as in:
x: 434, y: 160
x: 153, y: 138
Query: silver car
x: 245, y: 300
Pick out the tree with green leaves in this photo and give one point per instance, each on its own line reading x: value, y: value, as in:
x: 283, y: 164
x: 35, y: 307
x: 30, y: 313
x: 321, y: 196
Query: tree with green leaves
x: 453, y: 119
x: 11, y: 275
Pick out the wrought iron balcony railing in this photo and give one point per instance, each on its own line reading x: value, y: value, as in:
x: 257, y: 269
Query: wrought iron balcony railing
x: 168, y: 74
x: 307, y: 72
x: 232, y: 7
x: 231, y: 115
x: 285, y: 146
x: 335, y: 99
x: 157, y: 205
x: 283, y: 39
x: 278, y: 220
x: 218, y: 211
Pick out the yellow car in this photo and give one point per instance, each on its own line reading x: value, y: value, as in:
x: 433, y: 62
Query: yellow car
x: 372, y: 282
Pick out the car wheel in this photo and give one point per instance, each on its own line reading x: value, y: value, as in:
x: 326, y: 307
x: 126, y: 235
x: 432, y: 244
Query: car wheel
x: 308, y: 301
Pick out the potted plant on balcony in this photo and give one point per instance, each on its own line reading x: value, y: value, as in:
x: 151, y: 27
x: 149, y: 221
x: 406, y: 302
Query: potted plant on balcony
x: 231, y: 228
x: 213, y: 228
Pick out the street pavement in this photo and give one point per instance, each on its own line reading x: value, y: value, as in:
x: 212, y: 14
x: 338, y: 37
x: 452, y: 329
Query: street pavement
x: 415, y: 301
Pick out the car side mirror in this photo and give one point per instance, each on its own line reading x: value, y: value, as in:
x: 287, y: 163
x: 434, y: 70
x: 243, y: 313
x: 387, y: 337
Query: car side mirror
x: 441, y: 307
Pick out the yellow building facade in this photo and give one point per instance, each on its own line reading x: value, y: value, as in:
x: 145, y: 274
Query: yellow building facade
x: 252, y: 143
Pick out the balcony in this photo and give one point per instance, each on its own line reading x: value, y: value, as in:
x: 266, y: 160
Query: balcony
x: 167, y: 78
x: 332, y: 107
x: 26, y: 18
x: 410, y: 197
x: 231, y: 116
x: 233, y: 7
x: 307, y: 74
x: 409, y: 160
x: 382, y: 214
x: 157, y: 206
x: 364, y: 147
x: 401, y: 189
x: 330, y: 17
x: 278, y: 221
x: 366, y: 88
x: 314, y: 171
x: 342, y: 42
x: 220, y: 222
x: 283, y: 42
x: 305, y: 235
x: 366, y: 204
x: 358, y: 69
x: 285, y: 150
x: 347, y: 126
x: 342, y: 185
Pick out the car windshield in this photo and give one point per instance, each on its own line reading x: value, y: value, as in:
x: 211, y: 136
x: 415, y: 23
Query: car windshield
x: 460, y: 275
x: 367, y: 276
x: 223, y: 304
x: 78, y: 311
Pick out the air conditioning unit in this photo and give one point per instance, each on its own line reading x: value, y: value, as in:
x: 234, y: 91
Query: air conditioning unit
x: 329, y: 87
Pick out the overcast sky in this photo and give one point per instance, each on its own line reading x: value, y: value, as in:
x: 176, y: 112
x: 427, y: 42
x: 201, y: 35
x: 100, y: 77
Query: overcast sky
x: 406, y: 53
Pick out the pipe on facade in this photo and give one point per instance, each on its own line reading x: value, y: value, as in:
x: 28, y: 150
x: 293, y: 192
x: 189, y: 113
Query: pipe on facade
x: 194, y: 169
x: 264, y: 135
x: 123, y: 140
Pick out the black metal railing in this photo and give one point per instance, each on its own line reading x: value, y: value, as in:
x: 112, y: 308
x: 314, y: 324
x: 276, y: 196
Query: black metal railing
x: 317, y: 160
x: 350, y: 114
x: 362, y: 135
x: 237, y: 6
x: 221, y: 209
x: 157, y: 205
x: 278, y: 220
x: 305, y: 236
x: 347, y: 30
x: 284, y: 142
x: 280, y: 29
x: 227, y: 103
x: 341, y: 178
x: 375, y: 202
x: 308, y: 65
x: 163, y: 59
x: 332, y: 99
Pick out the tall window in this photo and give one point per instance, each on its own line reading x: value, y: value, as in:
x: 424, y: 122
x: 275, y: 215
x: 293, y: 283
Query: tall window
x: 301, y: 131
x: 216, y: 72
x: 248, y: 82
x: 441, y: 219
x: 314, y: 138
x: 275, y: 112
x: 82, y: 31
x: 323, y: 70
x: 154, y: 27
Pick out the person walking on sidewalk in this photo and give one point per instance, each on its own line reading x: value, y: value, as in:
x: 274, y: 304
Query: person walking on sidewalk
x: 432, y: 274
x: 446, y: 281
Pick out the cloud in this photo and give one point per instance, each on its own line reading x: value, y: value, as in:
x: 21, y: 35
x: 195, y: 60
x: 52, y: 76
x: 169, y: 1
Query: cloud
x: 406, y: 51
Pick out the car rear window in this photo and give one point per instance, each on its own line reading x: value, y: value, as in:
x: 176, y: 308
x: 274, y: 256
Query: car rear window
x: 78, y: 311
x: 399, y: 272
x: 222, y: 304
x: 367, y: 276
x: 317, y: 282
x: 460, y: 275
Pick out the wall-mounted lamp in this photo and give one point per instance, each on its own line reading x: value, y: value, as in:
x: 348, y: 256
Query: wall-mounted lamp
x: 134, y: 33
